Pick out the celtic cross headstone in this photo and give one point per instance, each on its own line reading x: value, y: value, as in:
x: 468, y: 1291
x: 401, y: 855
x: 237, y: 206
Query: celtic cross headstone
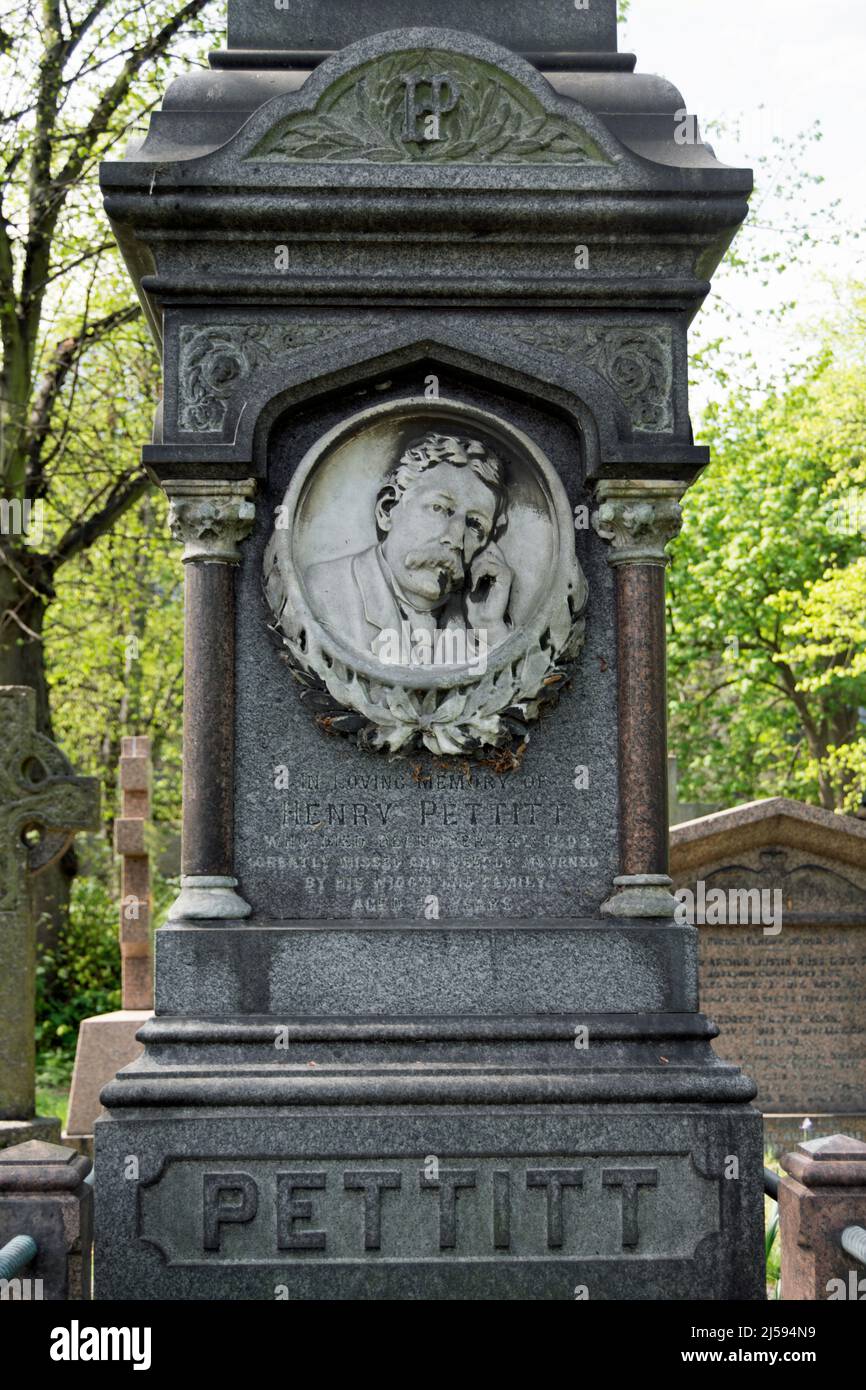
x: 42, y: 806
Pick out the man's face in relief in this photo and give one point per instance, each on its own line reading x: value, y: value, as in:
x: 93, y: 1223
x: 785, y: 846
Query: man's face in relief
x: 437, y: 531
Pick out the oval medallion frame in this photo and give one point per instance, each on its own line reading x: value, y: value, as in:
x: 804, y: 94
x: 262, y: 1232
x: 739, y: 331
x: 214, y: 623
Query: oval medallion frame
x: 327, y: 524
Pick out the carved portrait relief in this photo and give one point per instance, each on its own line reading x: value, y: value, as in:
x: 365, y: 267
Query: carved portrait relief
x: 423, y: 579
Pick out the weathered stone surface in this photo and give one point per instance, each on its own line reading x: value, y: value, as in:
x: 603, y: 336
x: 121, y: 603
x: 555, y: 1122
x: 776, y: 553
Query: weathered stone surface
x: 43, y: 1194
x: 319, y: 25
x: 621, y: 1226
x: 389, y: 968
x: 453, y: 639
x: 790, y: 1005
x: 321, y: 833
x: 774, y: 823
x: 44, y: 1127
x: 42, y: 804
x: 782, y: 1133
x: 422, y: 223
x: 824, y: 1194
x: 106, y: 1044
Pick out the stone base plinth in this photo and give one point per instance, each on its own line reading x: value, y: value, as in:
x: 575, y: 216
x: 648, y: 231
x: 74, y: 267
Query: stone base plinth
x: 463, y: 1202
x: 44, y: 1127
x: 413, y: 1111
x: 106, y: 1044
x: 485, y: 1157
x: 410, y: 968
x: 44, y: 1195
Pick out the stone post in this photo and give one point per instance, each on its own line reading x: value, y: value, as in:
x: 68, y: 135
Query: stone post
x: 130, y: 844
x: 43, y: 1194
x: 42, y: 805
x: 639, y: 519
x: 211, y: 519
x: 824, y: 1193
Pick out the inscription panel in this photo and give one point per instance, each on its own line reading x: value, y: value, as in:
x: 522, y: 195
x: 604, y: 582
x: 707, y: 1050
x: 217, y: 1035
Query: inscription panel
x: 791, y: 1013
x: 327, y: 830
x: 269, y: 1212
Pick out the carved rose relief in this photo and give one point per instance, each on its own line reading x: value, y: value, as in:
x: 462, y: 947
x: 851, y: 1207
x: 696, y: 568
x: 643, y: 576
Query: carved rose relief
x: 216, y: 360
x: 423, y: 579
x: 636, y: 362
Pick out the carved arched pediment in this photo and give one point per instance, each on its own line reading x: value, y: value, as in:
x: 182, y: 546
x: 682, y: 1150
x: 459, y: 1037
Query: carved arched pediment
x: 432, y: 106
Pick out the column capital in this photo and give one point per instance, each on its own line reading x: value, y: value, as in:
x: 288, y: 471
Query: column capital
x: 638, y: 518
x: 211, y: 518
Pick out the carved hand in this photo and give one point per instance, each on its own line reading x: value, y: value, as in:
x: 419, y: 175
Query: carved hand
x: 490, y: 589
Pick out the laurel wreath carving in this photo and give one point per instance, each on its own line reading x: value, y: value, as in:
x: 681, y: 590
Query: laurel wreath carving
x: 495, y: 119
x: 492, y: 712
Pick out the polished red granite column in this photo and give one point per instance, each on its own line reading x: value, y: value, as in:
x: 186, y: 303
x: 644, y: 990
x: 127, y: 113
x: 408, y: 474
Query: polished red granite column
x: 211, y: 519
x: 639, y: 519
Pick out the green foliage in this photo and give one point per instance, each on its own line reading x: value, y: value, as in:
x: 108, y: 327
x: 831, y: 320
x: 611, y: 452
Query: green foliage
x: 80, y: 976
x: 768, y: 597
x: 115, y: 654
x: 53, y: 1098
x: 772, y: 1238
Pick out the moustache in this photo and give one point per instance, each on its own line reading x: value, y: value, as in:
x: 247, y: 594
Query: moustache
x: 435, y: 559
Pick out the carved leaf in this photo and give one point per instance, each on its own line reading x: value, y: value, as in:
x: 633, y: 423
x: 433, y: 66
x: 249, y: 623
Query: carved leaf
x: 495, y: 118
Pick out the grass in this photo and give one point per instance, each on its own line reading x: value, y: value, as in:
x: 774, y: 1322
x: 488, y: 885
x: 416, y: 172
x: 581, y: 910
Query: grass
x: 53, y: 1080
x: 53, y: 1100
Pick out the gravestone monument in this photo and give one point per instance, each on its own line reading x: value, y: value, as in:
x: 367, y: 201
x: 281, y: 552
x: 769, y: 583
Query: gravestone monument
x: 789, y: 1002
x: 425, y: 1026
x: 42, y: 805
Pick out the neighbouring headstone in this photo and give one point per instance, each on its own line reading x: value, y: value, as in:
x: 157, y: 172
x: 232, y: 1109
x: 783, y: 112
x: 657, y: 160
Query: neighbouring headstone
x: 130, y: 843
x: 783, y: 957
x: 107, y: 1042
x: 425, y: 1024
x: 822, y: 1197
x: 44, y: 1195
x: 42, y: 805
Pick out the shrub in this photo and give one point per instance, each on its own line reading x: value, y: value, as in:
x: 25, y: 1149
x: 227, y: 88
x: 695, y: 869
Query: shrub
x: 76, y: 976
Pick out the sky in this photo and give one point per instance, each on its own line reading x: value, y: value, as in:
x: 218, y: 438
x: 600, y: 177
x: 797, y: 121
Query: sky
x: 801, y: 61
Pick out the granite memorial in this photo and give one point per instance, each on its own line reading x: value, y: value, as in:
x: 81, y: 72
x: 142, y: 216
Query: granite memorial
x: 789, y: 1002
x: 425, y: 1025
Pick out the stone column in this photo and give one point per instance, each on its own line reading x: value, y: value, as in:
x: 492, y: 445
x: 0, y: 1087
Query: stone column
x: 824, y: 1194
x: 211, y: 519
x: 639, y: 519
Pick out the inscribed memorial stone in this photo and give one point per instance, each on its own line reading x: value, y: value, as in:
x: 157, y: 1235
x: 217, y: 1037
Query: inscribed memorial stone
x: 425, y: 1025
